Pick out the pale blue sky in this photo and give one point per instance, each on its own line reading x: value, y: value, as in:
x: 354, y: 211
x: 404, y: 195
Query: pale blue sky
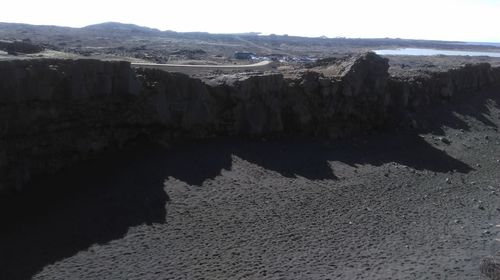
x: 466, y: 20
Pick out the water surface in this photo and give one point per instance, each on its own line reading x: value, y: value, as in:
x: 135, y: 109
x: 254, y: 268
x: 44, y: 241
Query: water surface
x: 431, y: 52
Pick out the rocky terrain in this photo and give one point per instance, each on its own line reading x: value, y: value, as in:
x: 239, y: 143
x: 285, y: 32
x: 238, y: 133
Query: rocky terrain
x: 135, y: 43
x: 352, y: 167
x: 59, y: 112
x: 382, y: 206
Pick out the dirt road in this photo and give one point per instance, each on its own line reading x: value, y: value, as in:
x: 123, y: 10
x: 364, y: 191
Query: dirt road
x: 185, y: 68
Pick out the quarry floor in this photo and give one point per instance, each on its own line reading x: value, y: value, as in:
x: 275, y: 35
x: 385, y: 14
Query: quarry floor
x: 390, y: 205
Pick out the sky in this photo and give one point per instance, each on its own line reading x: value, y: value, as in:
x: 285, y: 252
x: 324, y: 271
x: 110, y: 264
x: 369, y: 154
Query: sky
x: 456, y: 20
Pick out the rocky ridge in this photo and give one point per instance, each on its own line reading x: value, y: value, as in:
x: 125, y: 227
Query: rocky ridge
x: 55, y: 113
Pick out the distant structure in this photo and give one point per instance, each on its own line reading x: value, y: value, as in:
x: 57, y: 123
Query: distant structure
x: 244, y: 55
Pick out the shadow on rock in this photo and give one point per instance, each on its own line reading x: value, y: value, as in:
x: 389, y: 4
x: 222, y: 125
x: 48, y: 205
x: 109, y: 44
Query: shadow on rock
x: 467, y: 105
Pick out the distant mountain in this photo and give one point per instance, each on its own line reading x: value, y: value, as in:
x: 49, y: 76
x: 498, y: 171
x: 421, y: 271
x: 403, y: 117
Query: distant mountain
x: 117, y: 26
x: 134, y: 41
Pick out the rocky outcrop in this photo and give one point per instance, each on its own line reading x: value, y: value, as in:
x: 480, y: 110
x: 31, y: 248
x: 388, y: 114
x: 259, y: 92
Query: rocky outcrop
x: 54, y: 113
x: 16, y: 47
x: 423, y: 90
x: 310, y: 102
x: 225, y: 105
x: 410, y: 95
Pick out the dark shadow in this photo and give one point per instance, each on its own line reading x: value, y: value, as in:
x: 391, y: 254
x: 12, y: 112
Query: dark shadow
x: 194, y: 163
x: 310, y: 158
x: 404, y: 148
x: 303, y: 157
x: 470, y: 104
x: 98, y: 201
x: 94, y: 202
x: 475, y: 104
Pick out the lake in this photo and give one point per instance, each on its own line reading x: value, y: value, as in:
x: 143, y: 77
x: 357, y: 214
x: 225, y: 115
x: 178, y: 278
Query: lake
x: 431, y: 52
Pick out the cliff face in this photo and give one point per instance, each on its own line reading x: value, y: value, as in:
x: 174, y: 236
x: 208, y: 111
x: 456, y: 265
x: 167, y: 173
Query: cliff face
x: 54, y: 113
x: 227, y: 105
x: 307, y: 103
x: 411, y: 95
x: 419, y: 91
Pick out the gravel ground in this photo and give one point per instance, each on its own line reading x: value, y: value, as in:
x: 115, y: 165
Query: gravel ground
x: 382, y: 206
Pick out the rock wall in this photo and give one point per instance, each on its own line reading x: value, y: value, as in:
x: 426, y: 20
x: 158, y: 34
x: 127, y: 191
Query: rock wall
x: 409, y: 96
x: 54, y: 113
x: 308, y: 102
x: 414, y: 92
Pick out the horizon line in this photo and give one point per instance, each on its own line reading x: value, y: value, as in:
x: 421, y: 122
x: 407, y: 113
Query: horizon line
x: 257, y: 33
